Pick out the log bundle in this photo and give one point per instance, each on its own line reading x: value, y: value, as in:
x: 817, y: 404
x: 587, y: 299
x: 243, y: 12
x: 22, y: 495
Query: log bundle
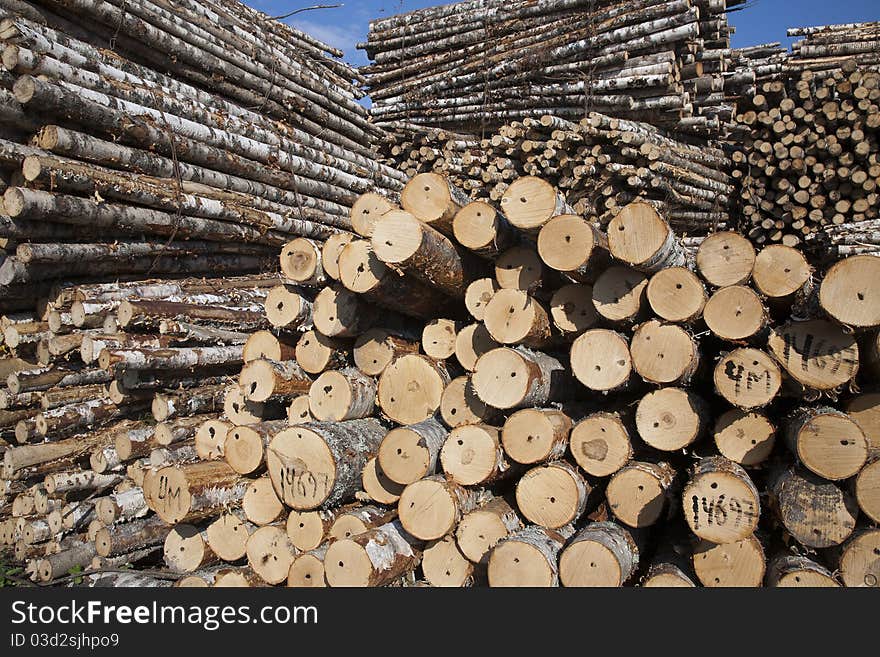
x: 142, y: 141
x: 808, y: 161
x: 599, y: 163
x: 653, y: 413
x: 473, y: 66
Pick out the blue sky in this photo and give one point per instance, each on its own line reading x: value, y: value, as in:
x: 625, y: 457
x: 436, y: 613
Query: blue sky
x: 762, y: 21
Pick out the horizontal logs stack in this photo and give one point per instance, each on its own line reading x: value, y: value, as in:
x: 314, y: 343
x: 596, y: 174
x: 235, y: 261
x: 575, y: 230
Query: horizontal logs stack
x: 563, y: 404
x: 147, y: 139
x: 473, y: 66
x: 599, y: 163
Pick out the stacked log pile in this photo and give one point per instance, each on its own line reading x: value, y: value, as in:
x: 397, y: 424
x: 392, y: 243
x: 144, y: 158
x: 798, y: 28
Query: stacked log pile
x: 473, y: 66
x: 599, y: 163
x: 139, y: 140
x: 809, y: 162
x: 553, y: 403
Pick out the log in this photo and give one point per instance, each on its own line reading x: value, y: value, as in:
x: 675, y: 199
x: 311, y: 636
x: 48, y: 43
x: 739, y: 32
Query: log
x: 460, y: 405
x: 266, y: 345
x: 532, y: 436
x: 856, y: 559
x: 845, y: 293
x: 781, y: 272
x: 472, y: 342
x: 478, y: 295
x: 307, y: 570
x: 431, y: 508
x: 342, y: 395
x: 260, y: 504
x: 791, y: 571
x: 574, y: 246
x: 745, y: 437
x: 664, y: 353
x: 735, y: 313
x: 480, y: 530
x: 317, y: 353
x: 301, y: 262
x: 641, y: 238
x: 721, y: 503
x: 677, y: 295
x: 361, y: 271
x: 439, y: 338
x: 358, y: 520
x: 601, y: 554
x: 671, y: 418
x: 738, y: 564
x: 286, y: 307
x: 377, y: 348
x: 866, y: 490
x: 194, y: 491
x: 815, y: 512
x: 520, y: 268
x: 375, y: 558
x: 182, y: 358
x: 826, y: 441
x: 472, y: 455
x: 528, y: 558
x: 330, y: 253
x: 270, y: 554
x: 572, y: 309
x: 366, y: 211
x: 530, y: 379
x: 514, y: 317
x: 601, y: 444
x: 410, y: 389
x: 122, y: 539
x: 529, y: 203
x: 726, y: 258
x: 552, y: 495
x: 298, y: 412
x: 747, y: 378
x: 638, y: 493
x: 261, y: 380
x: 481, y: 229
x: 320, y: 464
x: 244, y: 447
x: 817, y: 353
x: 186, y: 549
x: 601, y: 360
x: 619, y: 294
x: 409, y: 454
x: 433, y: 200
x: 190, y: 402
x: 417, y: 249
x: 227, y: 536
x: 444, y: 565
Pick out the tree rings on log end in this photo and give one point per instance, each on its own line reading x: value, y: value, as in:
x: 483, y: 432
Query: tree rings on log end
x: 552, y: 495
x: 817, y: 354
x: 740, y: 564
x: 735, y: 313
x: 600, y: 359
x: 600, y: 444
x: 747, y: 378
x: 745, y: 437
x: 676, y: 295
x: 410, y: 389
x: 726, y: 258
x: 849, y: 292
x: 670, y: 419
x: 619, y: 294
x: 780, y: 271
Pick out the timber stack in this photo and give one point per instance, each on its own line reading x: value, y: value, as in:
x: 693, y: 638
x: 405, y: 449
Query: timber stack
x: 473, y: 66
x: 470, y: 393
x: 809, y: 161
x: 599, y: 163
x: 139, y: 140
